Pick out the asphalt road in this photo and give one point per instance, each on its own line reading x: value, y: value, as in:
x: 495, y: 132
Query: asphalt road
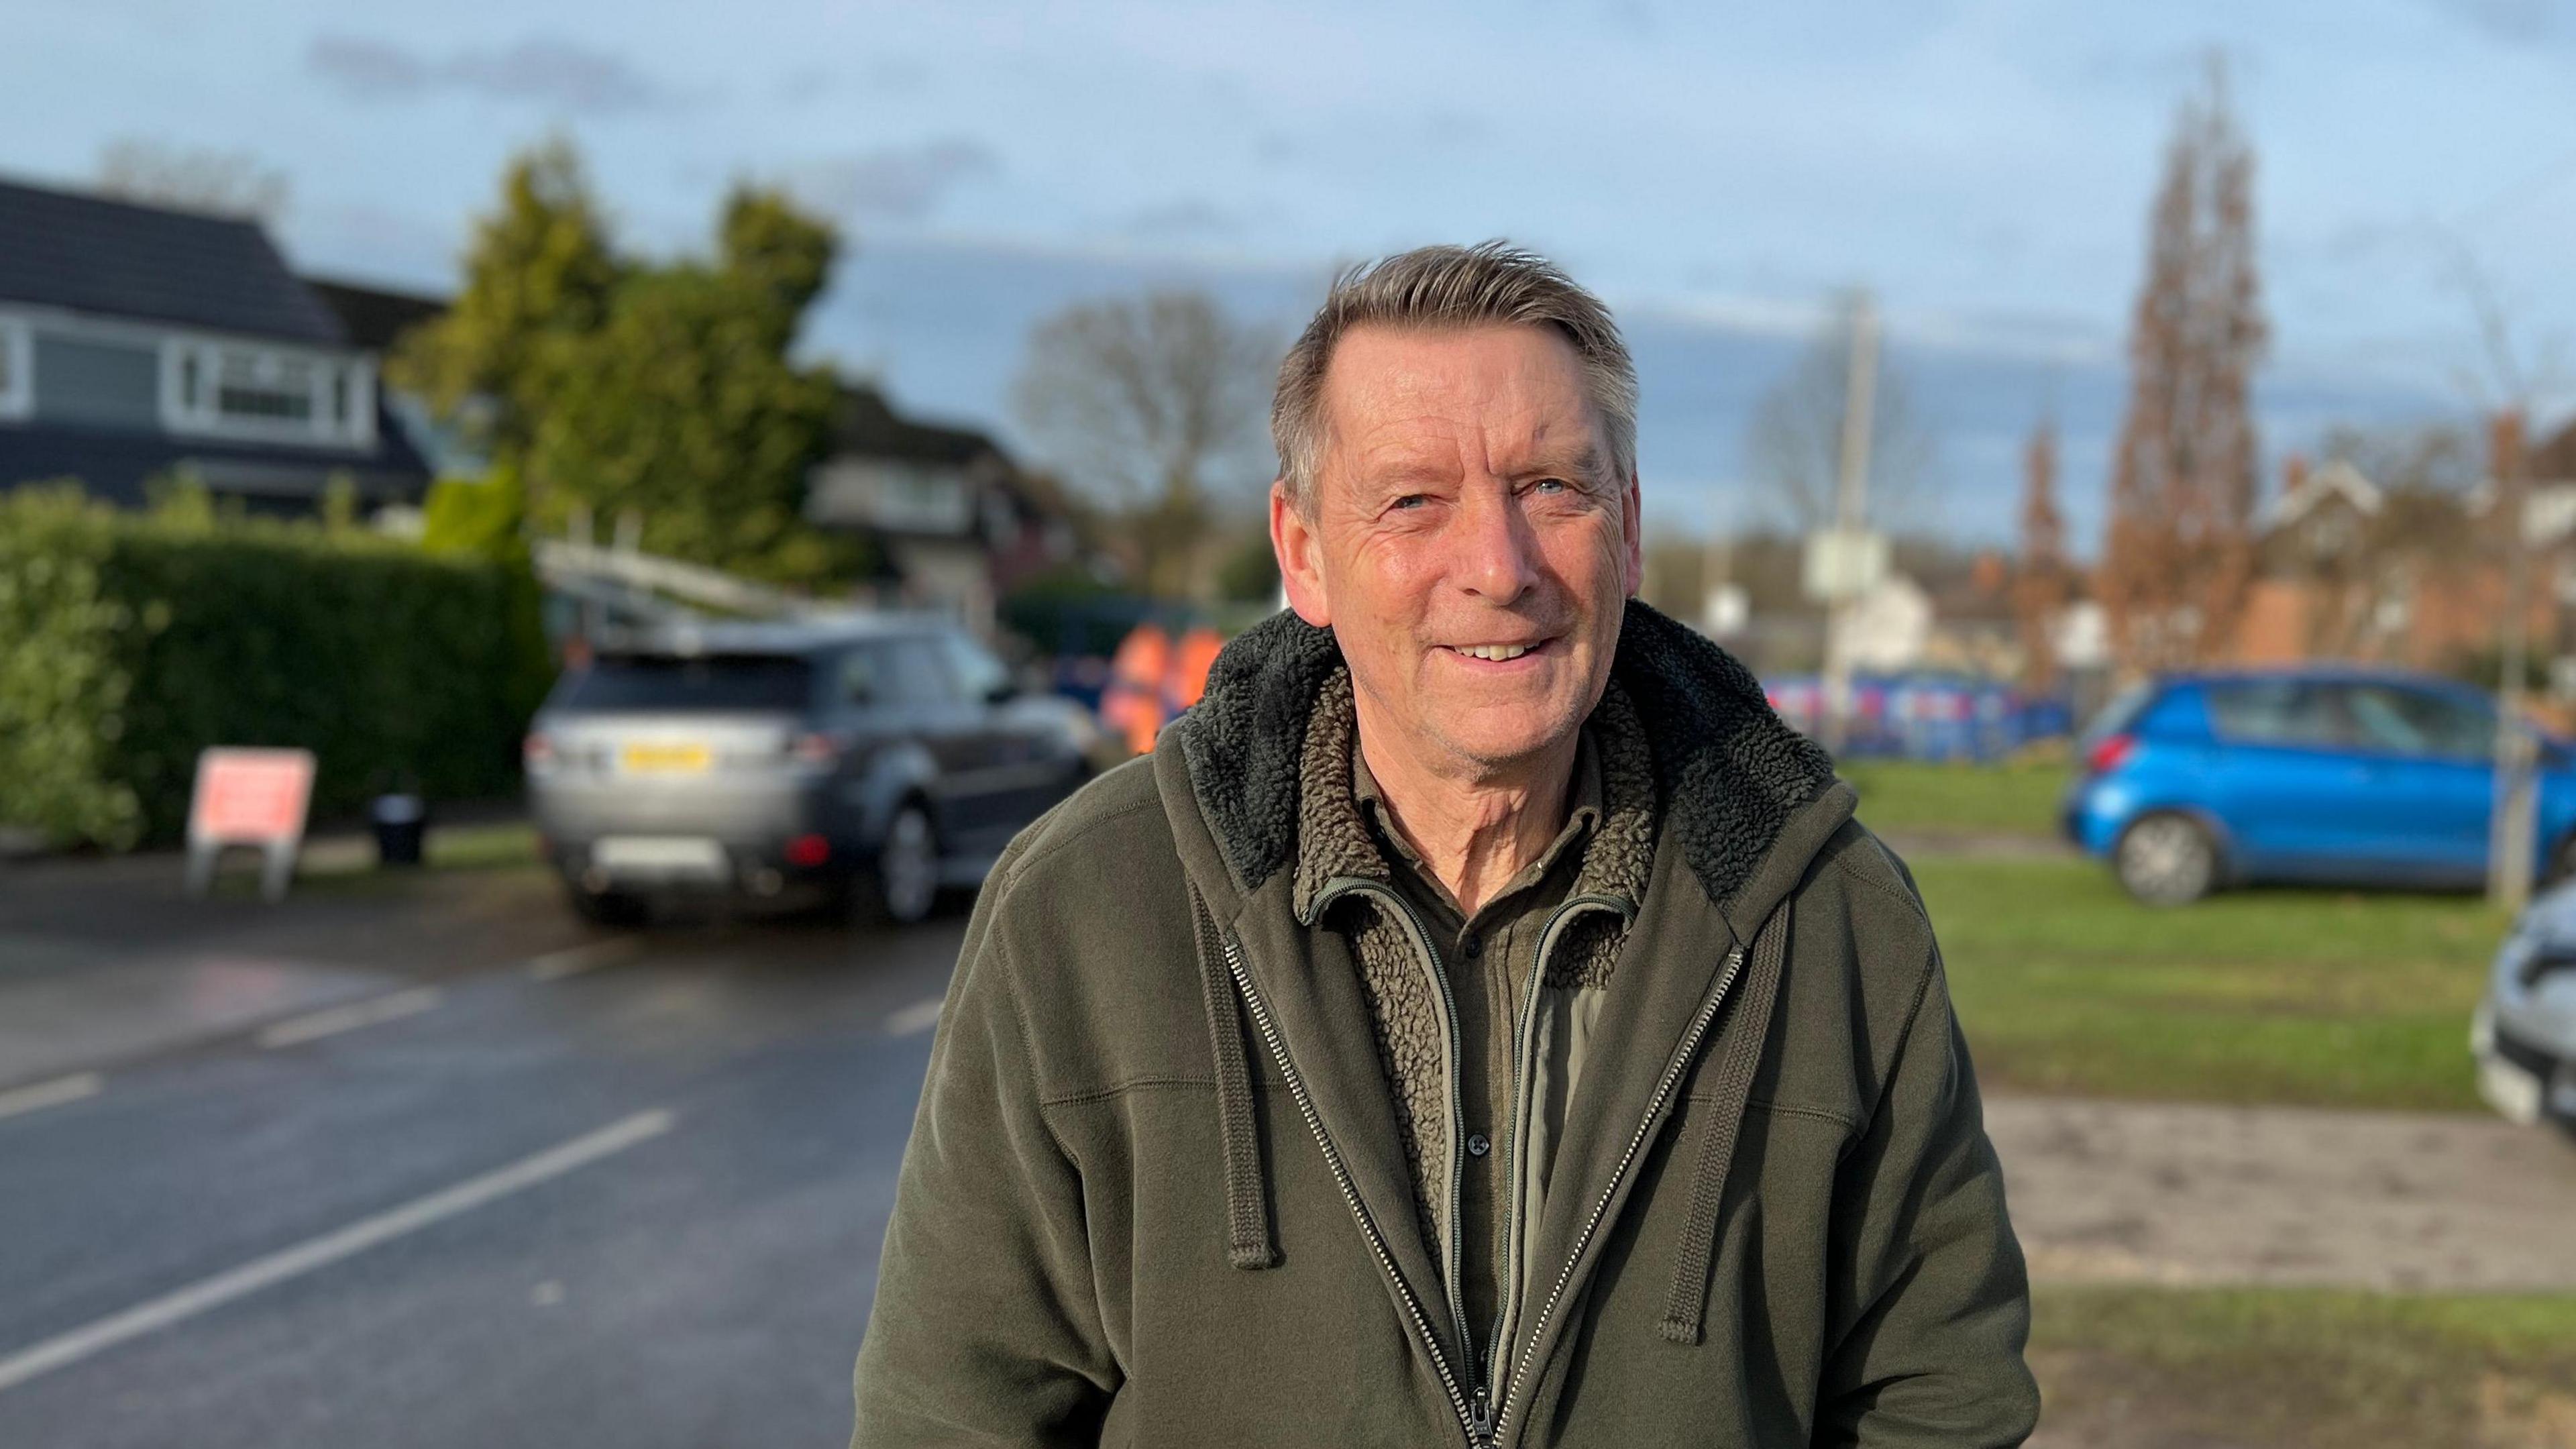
x: 630, y: 1194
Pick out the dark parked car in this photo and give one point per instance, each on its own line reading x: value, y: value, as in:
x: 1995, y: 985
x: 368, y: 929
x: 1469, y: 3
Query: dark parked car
x: 2348, y: 776
x: 879, y: 758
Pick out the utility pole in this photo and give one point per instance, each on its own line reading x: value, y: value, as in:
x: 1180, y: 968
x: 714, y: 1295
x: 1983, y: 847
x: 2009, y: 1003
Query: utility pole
x: 2510, y: 839
x: 1851, y: 507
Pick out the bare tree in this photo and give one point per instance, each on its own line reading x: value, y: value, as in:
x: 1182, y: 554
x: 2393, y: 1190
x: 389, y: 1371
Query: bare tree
x: 218, y: 183
x: 1157, y: 404
x: 1794, y: 444
x: 2043, y: 584
x: 2178, y: 556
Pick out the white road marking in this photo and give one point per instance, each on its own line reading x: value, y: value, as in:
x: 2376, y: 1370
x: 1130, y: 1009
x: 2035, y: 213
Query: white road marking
x: 589, y: 956
x: 296, y: 1030
x: 38, y: 1095
x: 921, y: 1016
x: 357, y: 1237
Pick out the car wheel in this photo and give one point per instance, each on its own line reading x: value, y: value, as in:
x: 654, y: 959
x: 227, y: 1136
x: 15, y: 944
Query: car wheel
x: 2166, y: 860
x: 902, y: 884
x: 618, y: 909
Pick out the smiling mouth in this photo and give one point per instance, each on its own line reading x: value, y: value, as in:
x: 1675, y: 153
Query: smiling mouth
x: 1496, y: 653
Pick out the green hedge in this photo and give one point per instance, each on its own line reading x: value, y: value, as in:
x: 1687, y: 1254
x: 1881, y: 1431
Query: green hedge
x: 135, y: 640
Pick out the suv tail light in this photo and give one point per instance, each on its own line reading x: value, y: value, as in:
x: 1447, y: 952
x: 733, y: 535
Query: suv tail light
x: 537, y: 752
x: 2109, y: 753
x: 815, y: 749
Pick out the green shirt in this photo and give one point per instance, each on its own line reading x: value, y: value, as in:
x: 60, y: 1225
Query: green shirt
x: 1488, y: 961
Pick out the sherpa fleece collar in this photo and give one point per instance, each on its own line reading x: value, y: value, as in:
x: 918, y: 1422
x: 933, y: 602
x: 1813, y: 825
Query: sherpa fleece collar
x: 1334, y: 840
x: 1729, y: 774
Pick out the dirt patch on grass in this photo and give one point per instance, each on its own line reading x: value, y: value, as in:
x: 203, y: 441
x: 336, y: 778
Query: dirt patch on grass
x: 2196, y: 1194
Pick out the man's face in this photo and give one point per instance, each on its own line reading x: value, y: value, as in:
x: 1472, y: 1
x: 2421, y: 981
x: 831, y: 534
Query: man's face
x: 1467, y: 542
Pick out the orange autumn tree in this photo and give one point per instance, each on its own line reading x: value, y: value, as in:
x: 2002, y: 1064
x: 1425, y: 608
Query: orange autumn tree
x: 2178, y: 551
x: 2043, y: 585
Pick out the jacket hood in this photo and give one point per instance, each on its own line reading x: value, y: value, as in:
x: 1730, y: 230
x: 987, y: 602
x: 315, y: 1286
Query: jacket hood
x: 1736, y: 784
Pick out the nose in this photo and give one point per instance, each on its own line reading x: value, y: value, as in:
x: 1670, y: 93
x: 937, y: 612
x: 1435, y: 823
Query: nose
x: 1497, y: 552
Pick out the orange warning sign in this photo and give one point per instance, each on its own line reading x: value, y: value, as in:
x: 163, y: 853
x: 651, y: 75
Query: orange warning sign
x: 250, y: 797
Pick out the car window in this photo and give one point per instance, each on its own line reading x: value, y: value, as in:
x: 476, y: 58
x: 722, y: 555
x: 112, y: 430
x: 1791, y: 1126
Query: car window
x: 2123, y: 711
x: 979, y: 675
x: 2407, y: 721
x: 856, y: 678
x: 908, y: 671
x: 701, y: 683
x: 2274, y: 712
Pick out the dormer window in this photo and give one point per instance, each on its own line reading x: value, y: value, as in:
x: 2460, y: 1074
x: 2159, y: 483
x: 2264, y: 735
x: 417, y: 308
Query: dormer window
x: 271, y: 393
x: 263, y: 386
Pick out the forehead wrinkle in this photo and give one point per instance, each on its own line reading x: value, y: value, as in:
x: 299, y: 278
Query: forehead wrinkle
x: 1496, y: 418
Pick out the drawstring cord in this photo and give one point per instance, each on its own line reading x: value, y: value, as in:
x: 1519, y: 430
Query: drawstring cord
x: 1247, y: 1210
x: 1686, y: 1307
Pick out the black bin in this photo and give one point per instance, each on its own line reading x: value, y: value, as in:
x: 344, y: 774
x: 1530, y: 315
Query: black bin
x: 400, y: 821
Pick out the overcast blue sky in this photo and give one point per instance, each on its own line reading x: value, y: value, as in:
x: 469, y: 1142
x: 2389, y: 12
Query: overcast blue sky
x: 1984, y: 165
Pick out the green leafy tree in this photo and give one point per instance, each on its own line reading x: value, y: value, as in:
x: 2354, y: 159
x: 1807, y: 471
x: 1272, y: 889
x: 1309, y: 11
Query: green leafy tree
x: 684, y: 407
x: 615, y: 386
x: 539, y: 280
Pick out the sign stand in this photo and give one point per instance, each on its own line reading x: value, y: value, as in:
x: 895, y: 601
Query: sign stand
x: 249, y: 797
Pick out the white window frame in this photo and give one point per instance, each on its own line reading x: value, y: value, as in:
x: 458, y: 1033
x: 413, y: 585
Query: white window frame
x: 17, y: 368
x: 204, y: 418
x: 19, y: 327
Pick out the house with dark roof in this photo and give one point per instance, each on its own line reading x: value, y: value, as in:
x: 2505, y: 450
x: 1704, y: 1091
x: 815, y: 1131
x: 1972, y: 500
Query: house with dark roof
x: 376, y: 319
x: 955, y: 523
x: 139, y: 342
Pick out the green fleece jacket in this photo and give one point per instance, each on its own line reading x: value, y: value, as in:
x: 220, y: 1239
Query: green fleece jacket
x: 1156, y: 1194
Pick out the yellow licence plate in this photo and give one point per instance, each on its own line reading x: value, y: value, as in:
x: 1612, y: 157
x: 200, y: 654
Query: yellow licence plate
x: 684, y: 759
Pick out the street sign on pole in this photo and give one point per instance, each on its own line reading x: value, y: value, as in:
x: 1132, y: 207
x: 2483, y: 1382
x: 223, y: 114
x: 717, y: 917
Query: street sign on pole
x: 249, y: 797
x: 1846, y: 559
x: 1840, y: 565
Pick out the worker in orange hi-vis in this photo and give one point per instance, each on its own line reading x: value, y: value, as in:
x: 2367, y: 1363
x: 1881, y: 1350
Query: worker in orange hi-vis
x: 1190, y: 666
x: 1132, y: 706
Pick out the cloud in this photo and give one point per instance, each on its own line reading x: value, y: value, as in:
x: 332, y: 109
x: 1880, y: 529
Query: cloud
x: 2511, y: 22
x: 895, y: 183
x: 1190, y: 218
x: 540, y: 70
x: 885, y: 75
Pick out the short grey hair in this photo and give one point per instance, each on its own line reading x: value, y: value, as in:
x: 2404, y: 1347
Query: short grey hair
x: 1443, y: 287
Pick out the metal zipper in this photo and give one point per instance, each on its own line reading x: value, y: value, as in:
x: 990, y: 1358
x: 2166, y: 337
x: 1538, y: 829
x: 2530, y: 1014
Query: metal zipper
x: 1454, y: 1259
x: 1475, y: 1420
x: 1508, y: 1296
x: 1601, y: 1205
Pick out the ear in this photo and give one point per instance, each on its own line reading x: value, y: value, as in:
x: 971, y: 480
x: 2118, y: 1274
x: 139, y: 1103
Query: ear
x: 1299, y: 551
x: 1632, y: 511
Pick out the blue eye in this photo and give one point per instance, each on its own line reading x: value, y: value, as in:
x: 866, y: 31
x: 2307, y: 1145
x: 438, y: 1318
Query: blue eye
x: 1409, y: 500
x: 1558, y: 485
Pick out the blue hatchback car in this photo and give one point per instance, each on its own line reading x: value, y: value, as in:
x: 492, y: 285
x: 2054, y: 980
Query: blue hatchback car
x: 2350, y: 776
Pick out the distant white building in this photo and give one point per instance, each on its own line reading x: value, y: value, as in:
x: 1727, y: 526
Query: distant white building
x: 1889, y: 626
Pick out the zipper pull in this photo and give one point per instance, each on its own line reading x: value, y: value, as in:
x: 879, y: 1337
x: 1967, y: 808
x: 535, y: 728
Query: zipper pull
x: 1482, y: 1419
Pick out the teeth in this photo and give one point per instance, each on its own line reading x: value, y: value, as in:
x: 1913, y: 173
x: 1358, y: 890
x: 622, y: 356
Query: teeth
x: 1496, y: 653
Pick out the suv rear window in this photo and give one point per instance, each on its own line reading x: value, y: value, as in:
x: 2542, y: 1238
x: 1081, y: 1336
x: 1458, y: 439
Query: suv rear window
x: 767, y: 683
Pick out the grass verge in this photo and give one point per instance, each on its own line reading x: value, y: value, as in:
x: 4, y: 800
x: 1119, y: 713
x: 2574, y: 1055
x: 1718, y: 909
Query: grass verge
x: 1908, y: 797
x: 2327, y: 998
x: 2303, y: 1368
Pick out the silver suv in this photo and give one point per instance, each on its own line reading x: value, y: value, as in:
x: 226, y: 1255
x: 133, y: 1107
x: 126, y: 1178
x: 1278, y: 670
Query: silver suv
x: 878, y: 758
x: 2524, y: 1034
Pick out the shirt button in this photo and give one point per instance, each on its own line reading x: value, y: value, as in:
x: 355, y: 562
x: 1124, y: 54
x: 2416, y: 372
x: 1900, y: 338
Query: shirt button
x: 1477, y: 1146
x: 1474, y: 946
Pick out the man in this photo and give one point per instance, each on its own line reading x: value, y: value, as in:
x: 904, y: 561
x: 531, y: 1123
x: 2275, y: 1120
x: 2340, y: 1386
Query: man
x: 1478, y: 1021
